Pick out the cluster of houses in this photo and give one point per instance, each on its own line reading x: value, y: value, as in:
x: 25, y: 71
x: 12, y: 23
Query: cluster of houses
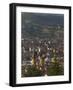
x: 41, y: 53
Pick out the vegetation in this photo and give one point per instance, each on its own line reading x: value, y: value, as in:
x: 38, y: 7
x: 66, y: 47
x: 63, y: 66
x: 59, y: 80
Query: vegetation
x: 31, y: 71
x: 55, y: 69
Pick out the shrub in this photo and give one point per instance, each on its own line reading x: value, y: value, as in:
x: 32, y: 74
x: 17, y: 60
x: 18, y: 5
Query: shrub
x: 32, y: 71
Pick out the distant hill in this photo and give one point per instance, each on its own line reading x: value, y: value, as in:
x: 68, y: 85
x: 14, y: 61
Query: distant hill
x: 43, y: 19
x: 41, y: 25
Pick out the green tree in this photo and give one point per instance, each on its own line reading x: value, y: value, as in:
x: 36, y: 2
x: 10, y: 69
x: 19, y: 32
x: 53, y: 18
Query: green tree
x: 32, y: 71
x: 55, y: 68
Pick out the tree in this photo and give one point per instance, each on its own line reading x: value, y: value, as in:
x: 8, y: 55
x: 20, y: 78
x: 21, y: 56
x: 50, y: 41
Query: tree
x: 55, y: 68
x: 32, y: 71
